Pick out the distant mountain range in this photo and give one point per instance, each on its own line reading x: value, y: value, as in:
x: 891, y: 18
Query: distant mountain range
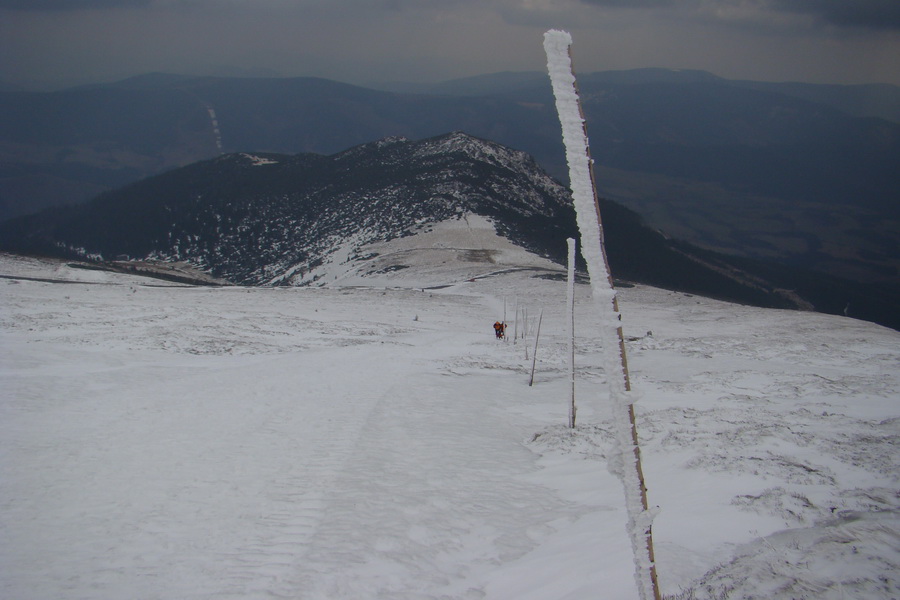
x: 273, y: 219
x: 866, y: 100
x: 804, y: 174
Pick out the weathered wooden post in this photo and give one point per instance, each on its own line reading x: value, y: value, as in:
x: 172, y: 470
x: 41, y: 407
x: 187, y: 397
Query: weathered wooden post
x: 537, y: 336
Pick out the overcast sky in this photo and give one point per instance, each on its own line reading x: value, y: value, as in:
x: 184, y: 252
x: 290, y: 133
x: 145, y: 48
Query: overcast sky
x: 64, y: 42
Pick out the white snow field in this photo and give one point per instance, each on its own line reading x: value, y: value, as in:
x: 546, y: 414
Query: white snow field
x: 372, y: 439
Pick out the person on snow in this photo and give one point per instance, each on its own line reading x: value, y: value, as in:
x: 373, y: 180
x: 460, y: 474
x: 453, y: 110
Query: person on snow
x: 499, y: 329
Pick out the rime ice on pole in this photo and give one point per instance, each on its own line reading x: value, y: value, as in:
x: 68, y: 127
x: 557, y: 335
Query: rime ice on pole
x: 624, y: 458
x: 559, y: 65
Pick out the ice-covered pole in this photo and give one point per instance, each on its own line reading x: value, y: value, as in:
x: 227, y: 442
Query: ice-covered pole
x: 625, y: 459
x: 570, y: 322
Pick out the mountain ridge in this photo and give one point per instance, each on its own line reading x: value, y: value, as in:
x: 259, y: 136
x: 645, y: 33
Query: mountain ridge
x: 273, y: 219
x: 291, y: 209
x: 755, y: 172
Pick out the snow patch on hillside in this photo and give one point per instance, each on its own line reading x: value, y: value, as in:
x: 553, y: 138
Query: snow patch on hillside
x: 454, y: 250
x: 258, y: 161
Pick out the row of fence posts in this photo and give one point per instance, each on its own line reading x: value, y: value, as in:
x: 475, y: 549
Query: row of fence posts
x: 570, y: 321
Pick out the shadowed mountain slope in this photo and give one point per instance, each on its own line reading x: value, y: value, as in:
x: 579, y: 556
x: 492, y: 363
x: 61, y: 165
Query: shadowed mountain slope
x: 257, y: 219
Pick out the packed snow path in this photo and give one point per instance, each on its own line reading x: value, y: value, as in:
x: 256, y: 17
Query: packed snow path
x: 231, y: 443
x: 173, y: 442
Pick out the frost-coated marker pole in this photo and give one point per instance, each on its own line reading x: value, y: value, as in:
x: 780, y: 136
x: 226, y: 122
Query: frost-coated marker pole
x: 570, y: 304
x: 625, y: 459
x: 537, y: 335
x: 504, y: 319
x: 516, y: 322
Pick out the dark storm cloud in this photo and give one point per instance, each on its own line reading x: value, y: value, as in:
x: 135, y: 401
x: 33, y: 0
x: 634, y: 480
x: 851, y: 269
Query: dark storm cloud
x: 634, y: 3
x: 38, y: 5
x: 638, y: 3
x: 872, y: 14
x: 875, y: 14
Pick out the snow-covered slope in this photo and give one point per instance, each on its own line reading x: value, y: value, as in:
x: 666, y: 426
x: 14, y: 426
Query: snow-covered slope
x: 438, y: 254
x: 345, y: 442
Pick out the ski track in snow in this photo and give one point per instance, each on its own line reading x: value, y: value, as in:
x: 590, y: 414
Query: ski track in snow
x: 173, y: 442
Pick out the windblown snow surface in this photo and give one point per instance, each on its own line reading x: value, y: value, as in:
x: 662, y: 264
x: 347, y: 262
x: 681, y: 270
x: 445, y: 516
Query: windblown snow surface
x: 371, y: 439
